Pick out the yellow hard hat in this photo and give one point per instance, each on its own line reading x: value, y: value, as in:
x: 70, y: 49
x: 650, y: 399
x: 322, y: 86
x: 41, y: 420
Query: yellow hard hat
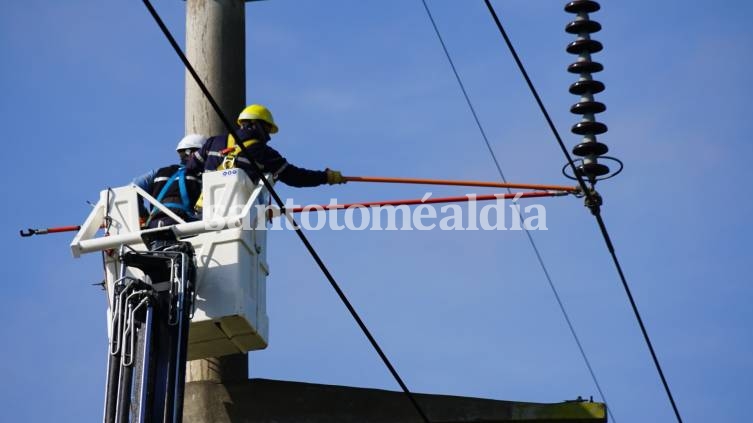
x: 258, y: 112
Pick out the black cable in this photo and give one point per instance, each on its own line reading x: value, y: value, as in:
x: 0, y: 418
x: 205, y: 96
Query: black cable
x: 595, y: 211
x: 528, y: 233
x: 280, y: 203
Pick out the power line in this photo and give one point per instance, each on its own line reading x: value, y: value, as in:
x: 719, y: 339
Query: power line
x: 594, y: 210
x: 536, y: 251
x: 281, y: 204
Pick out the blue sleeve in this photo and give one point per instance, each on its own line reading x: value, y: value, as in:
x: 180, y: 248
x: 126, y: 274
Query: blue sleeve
x: 146, y: 181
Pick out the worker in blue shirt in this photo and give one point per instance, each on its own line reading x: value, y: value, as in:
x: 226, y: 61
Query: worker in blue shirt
x: 256, y: 124
x: 174, y: 186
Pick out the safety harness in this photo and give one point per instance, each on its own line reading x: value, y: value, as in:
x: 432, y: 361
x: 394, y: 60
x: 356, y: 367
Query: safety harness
x: 231, y: 153
x: 185, y: 204
x: 229, y: 156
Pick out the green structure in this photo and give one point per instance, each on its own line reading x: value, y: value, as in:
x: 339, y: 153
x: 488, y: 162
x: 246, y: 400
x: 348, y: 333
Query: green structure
x: 262, y: 400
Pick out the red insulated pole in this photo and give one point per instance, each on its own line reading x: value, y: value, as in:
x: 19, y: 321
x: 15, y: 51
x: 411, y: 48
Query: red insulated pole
x: 31, y: 231
x: 63, y: 229
x: 416, y: 201
x: 421, y: 181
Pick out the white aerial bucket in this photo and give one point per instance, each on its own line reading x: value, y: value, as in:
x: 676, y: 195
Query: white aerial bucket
x: 230, y: 243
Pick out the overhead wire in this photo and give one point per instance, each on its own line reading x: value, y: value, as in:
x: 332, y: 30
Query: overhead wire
x: 594, y: 210
x: 535, y: 248
x: 298, y: 230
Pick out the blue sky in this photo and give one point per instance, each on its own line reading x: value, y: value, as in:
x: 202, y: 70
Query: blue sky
x: 93, y: 96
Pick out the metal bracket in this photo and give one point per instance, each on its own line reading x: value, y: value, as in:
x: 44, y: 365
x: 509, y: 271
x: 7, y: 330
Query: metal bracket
x: 594, y: 201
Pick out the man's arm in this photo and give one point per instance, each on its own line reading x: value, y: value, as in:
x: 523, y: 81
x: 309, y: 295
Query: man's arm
x: 300, y: 177
x: 146, y: 181
x: 273, y: 162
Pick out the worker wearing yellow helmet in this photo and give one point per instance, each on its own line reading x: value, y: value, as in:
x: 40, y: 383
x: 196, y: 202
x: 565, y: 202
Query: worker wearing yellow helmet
x: 255, y: 126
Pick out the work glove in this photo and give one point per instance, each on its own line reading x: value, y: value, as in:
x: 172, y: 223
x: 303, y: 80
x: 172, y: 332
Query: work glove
x: 335, y: 177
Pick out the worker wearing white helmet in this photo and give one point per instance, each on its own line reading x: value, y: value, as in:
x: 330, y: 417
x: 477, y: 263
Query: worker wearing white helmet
x: 174, y: 186
x: 189, y: 144
x: 256, y: 125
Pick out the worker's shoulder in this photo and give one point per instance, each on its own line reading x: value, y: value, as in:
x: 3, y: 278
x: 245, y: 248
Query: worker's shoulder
x: 217, y: 139
x: 264, y: 148
x: 168, y: 168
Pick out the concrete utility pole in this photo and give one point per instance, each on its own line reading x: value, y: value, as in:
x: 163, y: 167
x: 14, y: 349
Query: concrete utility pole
x: 215, y: 46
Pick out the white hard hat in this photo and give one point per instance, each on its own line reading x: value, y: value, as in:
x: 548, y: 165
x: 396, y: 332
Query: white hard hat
x: 191, y: 141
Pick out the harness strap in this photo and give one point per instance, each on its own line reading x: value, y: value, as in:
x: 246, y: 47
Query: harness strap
x: 231, y: 153
x: 180, y: 176
x: 183, y: 190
